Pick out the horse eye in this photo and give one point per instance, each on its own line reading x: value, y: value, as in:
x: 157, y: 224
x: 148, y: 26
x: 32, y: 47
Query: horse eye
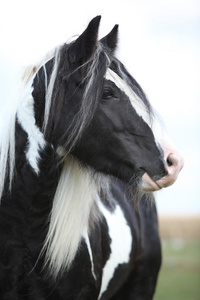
x: 108, y: 94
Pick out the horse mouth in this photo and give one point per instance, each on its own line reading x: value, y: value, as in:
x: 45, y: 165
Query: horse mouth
x: 149, y: 185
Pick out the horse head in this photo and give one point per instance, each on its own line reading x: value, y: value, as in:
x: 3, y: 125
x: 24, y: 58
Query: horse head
x: 95, y: 110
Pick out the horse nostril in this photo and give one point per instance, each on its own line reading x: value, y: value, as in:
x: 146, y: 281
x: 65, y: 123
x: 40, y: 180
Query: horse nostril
x: 169, y: 162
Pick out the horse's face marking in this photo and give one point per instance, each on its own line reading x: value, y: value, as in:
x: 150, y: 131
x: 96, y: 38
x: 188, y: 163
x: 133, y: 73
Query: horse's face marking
x: 120, y: 134
x: 136, y: 102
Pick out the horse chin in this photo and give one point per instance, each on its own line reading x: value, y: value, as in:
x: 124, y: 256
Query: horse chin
x: 148, y: 184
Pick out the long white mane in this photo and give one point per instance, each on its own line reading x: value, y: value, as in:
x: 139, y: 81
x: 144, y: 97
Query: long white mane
x: 74, y: 210
x: 78, y: 189
x: 74, y: 207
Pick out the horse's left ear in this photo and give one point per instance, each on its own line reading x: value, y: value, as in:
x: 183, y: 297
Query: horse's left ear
x: 83, y: 48
x: 111, y: 39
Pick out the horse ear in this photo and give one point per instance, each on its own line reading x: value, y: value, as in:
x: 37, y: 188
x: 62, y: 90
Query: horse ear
x: 83, y: 48
x: 111, y: 39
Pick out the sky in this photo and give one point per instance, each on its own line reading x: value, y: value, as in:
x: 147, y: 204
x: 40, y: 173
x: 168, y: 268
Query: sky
x: 160, y: 45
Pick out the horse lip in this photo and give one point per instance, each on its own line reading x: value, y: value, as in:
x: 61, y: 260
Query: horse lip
x: 148, y: 184
x: 158, y: 177
x: 155, y: 178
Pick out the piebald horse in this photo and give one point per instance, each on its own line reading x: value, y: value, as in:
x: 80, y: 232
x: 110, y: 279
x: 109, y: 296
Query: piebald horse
x: 80, y: 158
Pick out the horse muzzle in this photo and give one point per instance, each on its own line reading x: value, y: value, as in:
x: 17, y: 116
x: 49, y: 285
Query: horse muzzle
x: 174, y: 163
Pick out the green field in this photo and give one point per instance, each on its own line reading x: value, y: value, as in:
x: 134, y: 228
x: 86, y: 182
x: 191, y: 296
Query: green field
x: 179, y: 278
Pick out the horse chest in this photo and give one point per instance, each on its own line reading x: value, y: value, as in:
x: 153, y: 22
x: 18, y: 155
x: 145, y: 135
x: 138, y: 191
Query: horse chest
x: 120, y: 247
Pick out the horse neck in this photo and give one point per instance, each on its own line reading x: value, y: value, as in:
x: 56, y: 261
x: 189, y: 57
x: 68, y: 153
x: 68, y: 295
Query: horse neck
x: 36, y: 163
x: 63, y: 193
x: 67, y: 195
x: 36, y: 168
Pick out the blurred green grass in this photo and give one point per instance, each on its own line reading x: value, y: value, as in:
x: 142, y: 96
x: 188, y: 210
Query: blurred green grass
x: 179, y: 278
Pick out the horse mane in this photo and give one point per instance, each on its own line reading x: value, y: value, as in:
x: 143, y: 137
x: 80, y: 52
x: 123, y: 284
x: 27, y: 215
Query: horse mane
x: 62, y: 241
x: 32, y: 69
x: 67, y: 196
x: 85, y: 114
x: 7, y: 128
x: 73, y: 214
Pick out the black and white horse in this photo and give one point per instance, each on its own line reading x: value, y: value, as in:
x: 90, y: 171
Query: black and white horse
x: 77, y: 158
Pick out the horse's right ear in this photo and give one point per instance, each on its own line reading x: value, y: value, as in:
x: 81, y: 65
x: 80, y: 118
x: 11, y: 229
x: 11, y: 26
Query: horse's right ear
x: 111, y: 39
x: 83, y: 48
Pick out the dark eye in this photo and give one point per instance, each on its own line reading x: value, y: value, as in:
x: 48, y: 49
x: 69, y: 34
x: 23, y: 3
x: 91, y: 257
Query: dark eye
x: 108, y: 94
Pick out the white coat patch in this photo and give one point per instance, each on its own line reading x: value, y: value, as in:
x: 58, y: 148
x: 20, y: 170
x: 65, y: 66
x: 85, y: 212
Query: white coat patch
x: 87, y: 241
x: 26, y: 118
x: 138, y: 105
x: 121, y: 243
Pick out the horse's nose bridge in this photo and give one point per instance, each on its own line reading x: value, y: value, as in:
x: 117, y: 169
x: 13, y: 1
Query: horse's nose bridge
x: 162, y: 165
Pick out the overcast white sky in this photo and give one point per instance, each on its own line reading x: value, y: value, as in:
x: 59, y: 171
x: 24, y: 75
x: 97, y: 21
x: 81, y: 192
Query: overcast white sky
x: 159, y: 44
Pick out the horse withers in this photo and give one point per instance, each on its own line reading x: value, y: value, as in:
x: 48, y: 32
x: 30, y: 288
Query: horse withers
x: 80, y: 159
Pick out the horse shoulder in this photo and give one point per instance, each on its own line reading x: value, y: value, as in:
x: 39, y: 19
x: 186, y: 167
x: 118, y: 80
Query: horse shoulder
x: 121, y: 244
x: 134, y: 258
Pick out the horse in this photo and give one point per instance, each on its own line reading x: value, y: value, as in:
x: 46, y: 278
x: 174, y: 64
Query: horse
x: 80, y: 159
